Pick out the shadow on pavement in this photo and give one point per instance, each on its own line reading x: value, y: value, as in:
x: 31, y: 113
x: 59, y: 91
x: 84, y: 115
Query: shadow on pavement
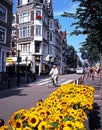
x: 12, y: 92
x: 94, y: 118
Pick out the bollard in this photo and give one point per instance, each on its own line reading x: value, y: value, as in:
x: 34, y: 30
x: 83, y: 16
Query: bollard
x: 79, y: 81
x: 75, y: 81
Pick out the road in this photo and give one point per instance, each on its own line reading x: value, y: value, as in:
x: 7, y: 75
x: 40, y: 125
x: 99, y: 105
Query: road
x: 24, y: 97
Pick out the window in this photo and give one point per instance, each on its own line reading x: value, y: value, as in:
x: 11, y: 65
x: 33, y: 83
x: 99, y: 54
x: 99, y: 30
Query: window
x: 50, y: 24
x: 14, y: 33
x: 25, y: 17
x: 14, y: 19
x: 50, y: 37
x: 38, y: 14
x: 38, y: 30
x: 3, y: 13
x: 24, y: 32
x: 37, y: 47
x: 2, y: 35
x: 24, y: 47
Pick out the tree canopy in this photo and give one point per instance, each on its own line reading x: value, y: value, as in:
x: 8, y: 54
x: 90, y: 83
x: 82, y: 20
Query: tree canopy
x: 88, y: 22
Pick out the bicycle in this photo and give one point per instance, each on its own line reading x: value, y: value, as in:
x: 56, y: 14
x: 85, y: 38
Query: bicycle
x: 51, y: 83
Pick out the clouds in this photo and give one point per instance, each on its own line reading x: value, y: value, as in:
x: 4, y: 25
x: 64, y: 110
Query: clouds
x: 66, y: 7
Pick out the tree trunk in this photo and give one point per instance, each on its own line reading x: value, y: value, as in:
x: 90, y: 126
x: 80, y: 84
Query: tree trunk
x: 101, y: 75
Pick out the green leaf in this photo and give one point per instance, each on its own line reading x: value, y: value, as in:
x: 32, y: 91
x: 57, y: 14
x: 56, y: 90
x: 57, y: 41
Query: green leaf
x: 18, y: 116
x: 69, y: 118
x: 54, y: 124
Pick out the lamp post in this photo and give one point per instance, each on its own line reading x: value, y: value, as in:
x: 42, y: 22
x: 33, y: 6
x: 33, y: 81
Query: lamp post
x: 27, y: 78
x: 18, y: 60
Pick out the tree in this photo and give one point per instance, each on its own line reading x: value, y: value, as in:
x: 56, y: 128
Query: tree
x: 71, y: 56
x: 89, y: 21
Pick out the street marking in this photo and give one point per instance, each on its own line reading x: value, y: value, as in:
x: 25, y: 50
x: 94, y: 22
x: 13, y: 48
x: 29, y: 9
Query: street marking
x: 46, y: 81
x: 68, y: 81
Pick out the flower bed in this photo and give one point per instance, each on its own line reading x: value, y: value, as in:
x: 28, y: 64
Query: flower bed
x: 66, y: 108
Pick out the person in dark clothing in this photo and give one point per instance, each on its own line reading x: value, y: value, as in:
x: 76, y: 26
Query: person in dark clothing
x: 2, y: 122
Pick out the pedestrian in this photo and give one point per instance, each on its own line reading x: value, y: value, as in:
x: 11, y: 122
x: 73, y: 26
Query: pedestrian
x: 2, y: 122
x: 99, y: 72
x: 95, y: 72
x: 54, y: 74
x: 91, y: 72
x: 86, y: 73
x: 83, y: 73
x: 32, y: 73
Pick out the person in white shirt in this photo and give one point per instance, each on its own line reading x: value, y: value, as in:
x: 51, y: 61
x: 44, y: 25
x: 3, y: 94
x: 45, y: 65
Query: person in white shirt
x: 54, y: 74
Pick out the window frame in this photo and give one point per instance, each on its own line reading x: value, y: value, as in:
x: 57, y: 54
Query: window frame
x: 5, y: 19
x: 24, y: 17
x: 24, y: 47
x: 37, y: 47
x: 38, y: 14
x: 24, y: 32
x: 38, y: 30
x: 4, y: 39
x: 50, y: 36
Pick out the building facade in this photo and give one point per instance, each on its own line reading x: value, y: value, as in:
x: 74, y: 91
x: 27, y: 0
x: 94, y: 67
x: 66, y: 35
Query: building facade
x: 5, y: 32
x: 38, y: 35
x: 64, y: 52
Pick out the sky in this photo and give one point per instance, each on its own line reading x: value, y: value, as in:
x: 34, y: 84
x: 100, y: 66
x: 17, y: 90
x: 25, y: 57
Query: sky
x: 59, y: 6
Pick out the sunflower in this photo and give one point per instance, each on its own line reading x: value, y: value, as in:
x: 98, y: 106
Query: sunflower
x: 18, y: 124
x: 32, y: 109
x: 4, y: 127
x: 39, y: 103
x: 42, y: 125
x: 24, y: 117
x: 48, y: 112
x: 79, y: 125
x: 42, y: 114
x: 33, y: 120
x: 69, y: 124
x: 27, y: 128
x: 67, y: 128
x: 59, y: 118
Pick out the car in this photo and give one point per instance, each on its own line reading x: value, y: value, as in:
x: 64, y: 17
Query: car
x: 79, y: 70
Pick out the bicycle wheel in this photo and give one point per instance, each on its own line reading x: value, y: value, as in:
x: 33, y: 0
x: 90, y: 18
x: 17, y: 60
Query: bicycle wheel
x: 50, y: 83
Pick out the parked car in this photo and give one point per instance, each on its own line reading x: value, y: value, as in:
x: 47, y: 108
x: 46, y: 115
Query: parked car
x: 79, y: 70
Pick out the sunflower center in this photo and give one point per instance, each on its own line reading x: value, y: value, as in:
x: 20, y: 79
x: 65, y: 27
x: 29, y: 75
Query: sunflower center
x: 18, y: 125
x: 33, y: 120
x: 23, y: 117
x: 43, y: 127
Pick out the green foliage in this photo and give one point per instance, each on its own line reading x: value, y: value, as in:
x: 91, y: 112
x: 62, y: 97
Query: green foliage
x: 88, y: 18
x: 69, y: 118
x: 54, y: 124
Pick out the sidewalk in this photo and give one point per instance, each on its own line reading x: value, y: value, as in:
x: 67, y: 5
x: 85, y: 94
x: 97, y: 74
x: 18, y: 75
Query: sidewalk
x: 95, y: 118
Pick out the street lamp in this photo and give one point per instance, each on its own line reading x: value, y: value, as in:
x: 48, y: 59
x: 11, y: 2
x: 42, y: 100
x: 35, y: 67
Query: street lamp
x: 18, y: 60
x: 27, y: 78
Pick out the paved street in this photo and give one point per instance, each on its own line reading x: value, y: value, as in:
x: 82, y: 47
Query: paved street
x: 26, y: 96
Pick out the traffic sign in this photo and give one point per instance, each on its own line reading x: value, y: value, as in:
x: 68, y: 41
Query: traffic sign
x: 84, y: 55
